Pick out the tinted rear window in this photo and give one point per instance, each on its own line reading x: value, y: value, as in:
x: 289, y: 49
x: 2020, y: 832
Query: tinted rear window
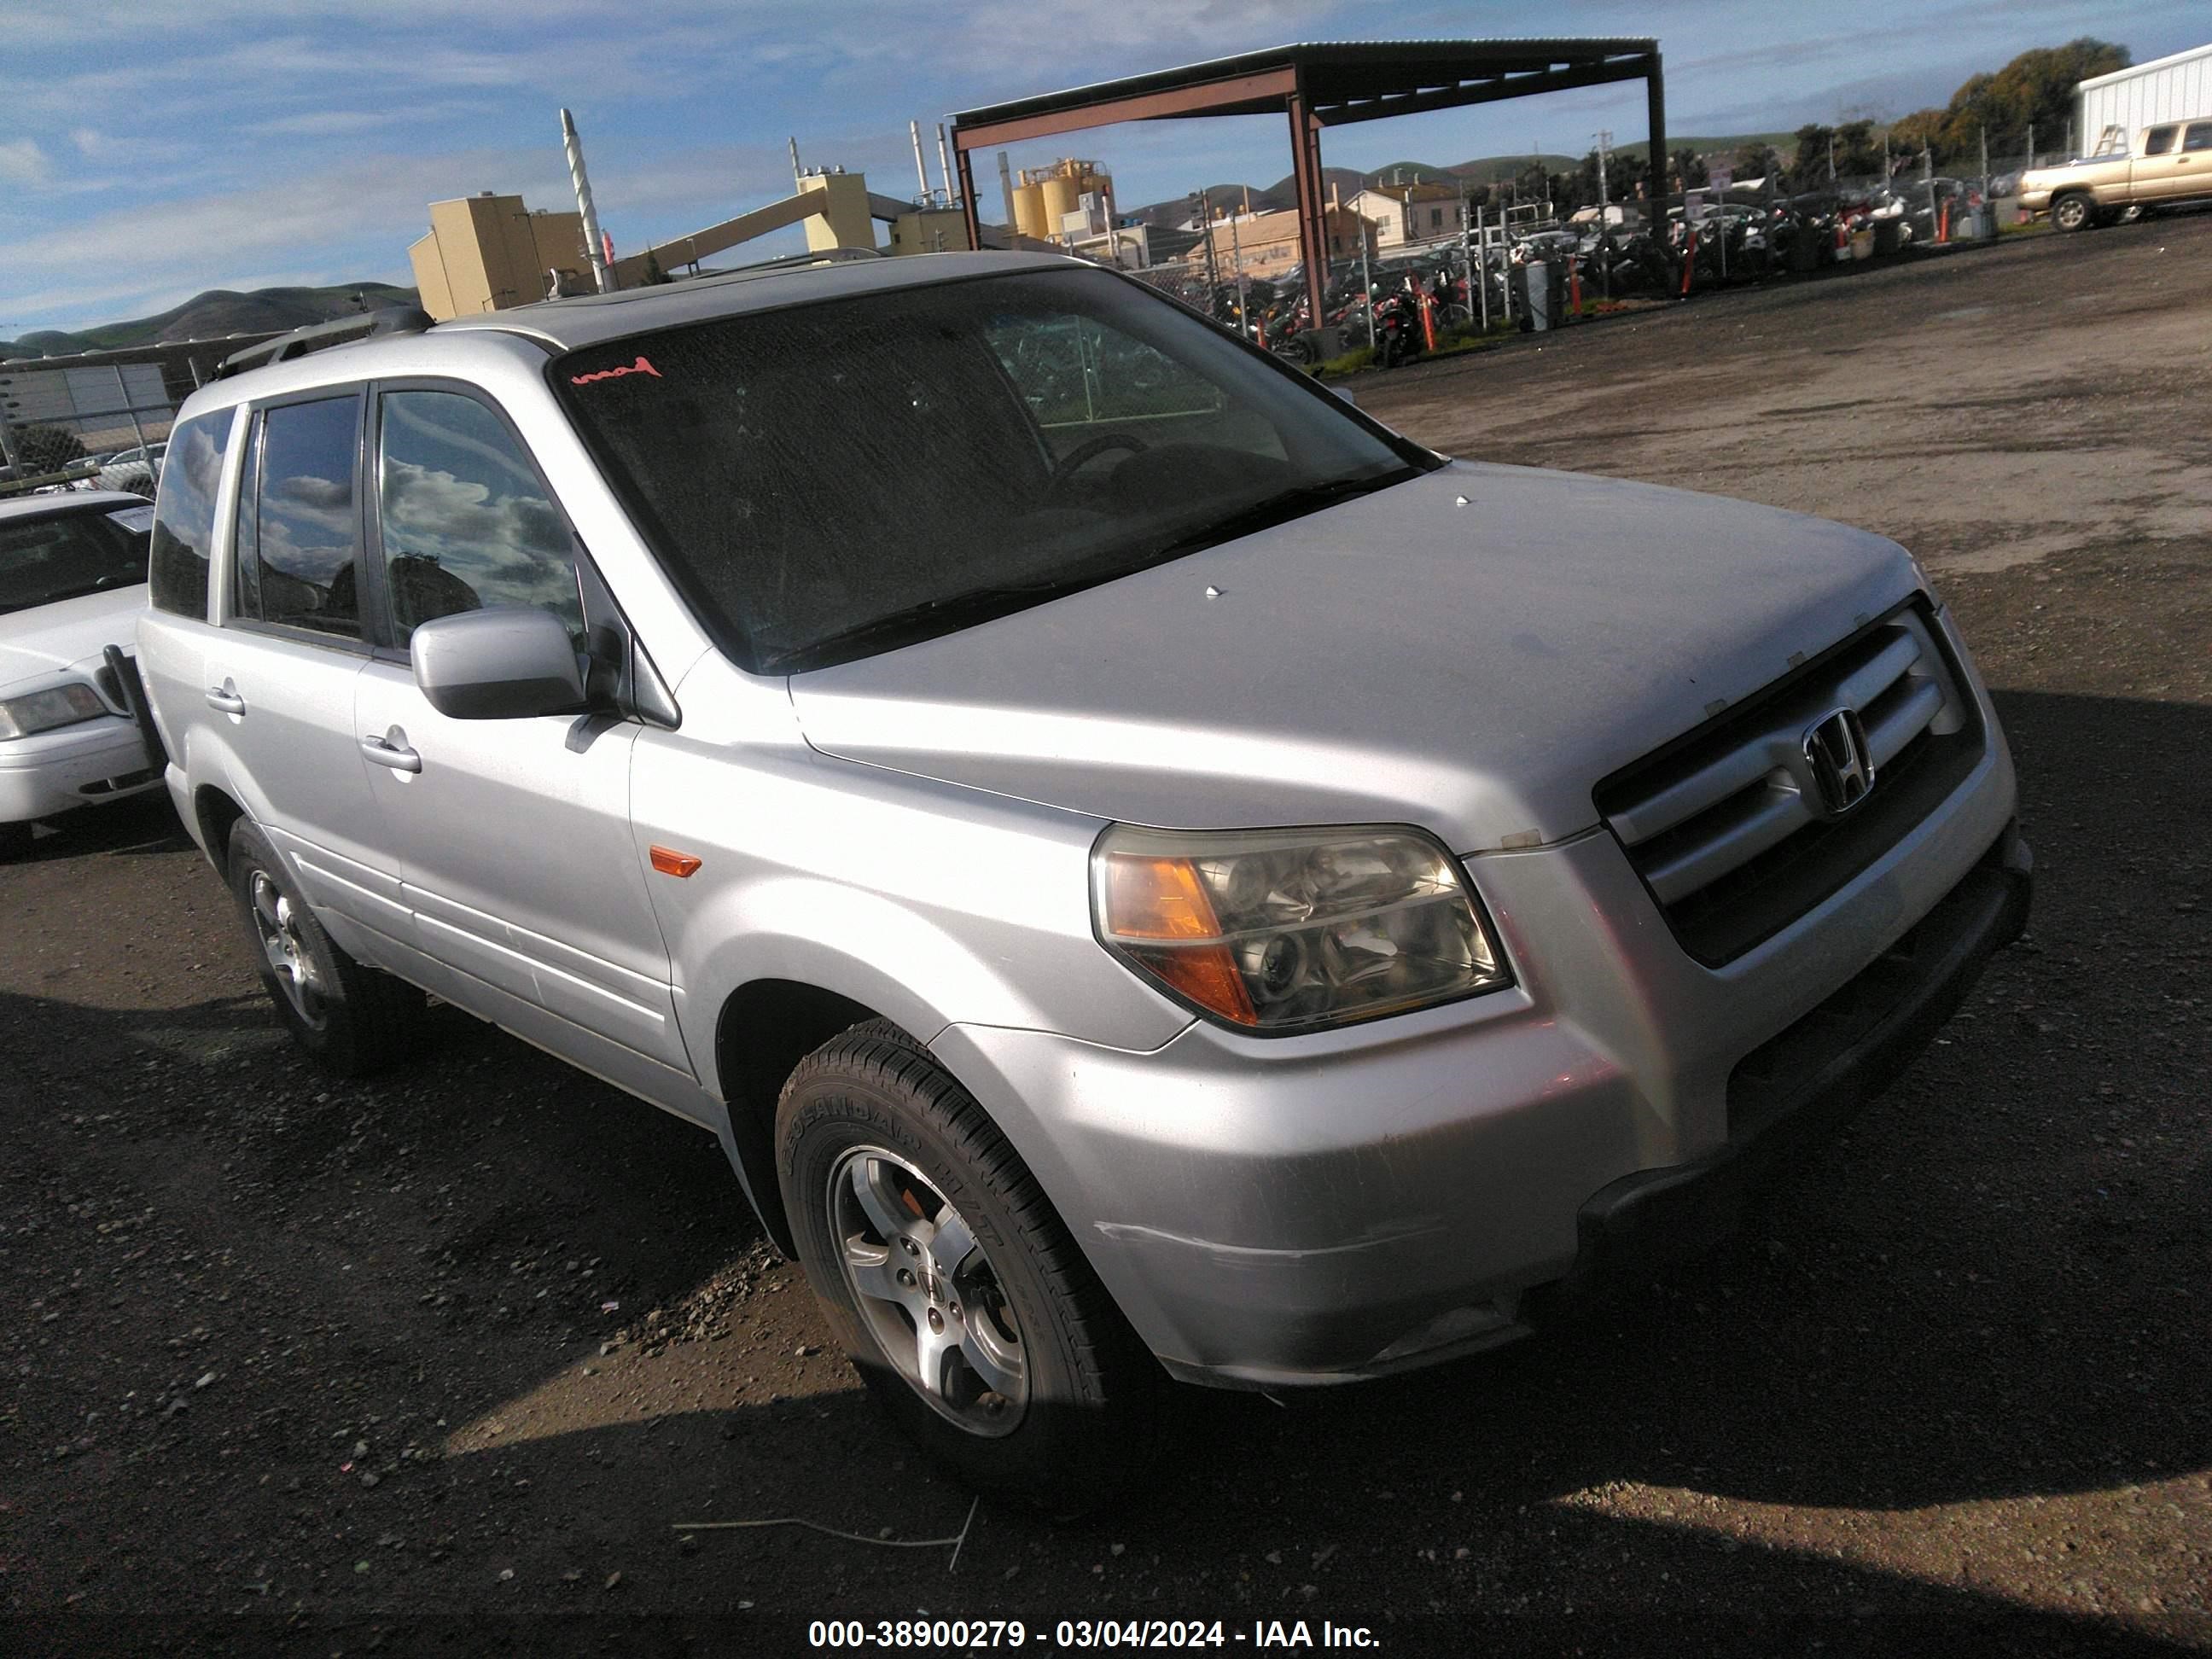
x: 61, y: 555
x: 184, y: 516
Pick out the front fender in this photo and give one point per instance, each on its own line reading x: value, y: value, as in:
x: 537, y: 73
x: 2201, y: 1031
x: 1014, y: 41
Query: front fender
x: 927, y: 903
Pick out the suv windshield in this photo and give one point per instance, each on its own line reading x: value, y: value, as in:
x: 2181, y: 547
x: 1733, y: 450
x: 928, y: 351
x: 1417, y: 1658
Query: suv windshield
x: 60, y: 556
x: 832, y: 480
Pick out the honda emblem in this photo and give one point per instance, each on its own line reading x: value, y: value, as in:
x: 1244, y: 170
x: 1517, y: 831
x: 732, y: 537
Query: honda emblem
x: 1842, y: 768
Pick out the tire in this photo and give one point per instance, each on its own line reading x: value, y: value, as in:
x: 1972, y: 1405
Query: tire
x: 15, y: 841
x: 2076, y: 212
x: 869, y: 1125
x: 354, y: 1020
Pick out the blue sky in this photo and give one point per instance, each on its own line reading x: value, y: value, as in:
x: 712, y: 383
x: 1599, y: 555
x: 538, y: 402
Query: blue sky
x: 149, y: 150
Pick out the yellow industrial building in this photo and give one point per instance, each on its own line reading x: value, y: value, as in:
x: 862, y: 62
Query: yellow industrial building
x: 1046, y: 198
x: 486, y: 252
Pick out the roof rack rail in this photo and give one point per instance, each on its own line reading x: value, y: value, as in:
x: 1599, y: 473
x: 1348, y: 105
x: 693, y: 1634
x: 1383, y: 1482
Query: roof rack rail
x: 319, y: 336
x: 823, y: 256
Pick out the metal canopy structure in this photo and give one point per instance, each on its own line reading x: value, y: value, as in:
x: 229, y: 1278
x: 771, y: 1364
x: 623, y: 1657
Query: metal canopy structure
x: 1322, y: 85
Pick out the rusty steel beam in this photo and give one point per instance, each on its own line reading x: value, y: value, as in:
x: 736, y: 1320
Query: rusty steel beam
x: 1209, y: 98
x: 968, y: 213
x: 1312, y: 204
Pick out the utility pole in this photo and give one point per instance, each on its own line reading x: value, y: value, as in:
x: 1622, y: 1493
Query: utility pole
x: 796, y: 175
x: 1366, y: 285
x: 1604, y: 214
x: 1213, y: 268
x: 1243, y: 292
x: 1986, y: 160
x: 1832, y: 160
x: 2031, y: 143
x: 1482, y: 243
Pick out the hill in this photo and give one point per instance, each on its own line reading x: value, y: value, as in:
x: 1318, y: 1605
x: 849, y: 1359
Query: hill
x: 212, y: 315
x: 1483, y: 170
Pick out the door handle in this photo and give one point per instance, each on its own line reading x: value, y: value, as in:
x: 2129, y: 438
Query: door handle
x: 224, y: 699
x: 391, y: 750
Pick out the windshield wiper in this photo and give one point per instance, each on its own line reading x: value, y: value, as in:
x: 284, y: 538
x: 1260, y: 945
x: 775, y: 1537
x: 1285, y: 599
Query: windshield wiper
x: 976, y: 604
x: 972, y: 604
x: 1280, y: 508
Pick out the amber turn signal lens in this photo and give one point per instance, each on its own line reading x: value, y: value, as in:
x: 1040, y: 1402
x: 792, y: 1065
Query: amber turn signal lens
x: 1157, y: 898
x: 670, y: 862
x: 1163, y: 899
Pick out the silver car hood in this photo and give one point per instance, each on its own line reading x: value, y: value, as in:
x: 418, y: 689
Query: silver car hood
x: 46, y: 640
x: 1470, y: 650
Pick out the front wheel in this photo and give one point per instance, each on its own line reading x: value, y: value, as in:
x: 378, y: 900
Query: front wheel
x: 2074, y: 213
x: 951, y: 1284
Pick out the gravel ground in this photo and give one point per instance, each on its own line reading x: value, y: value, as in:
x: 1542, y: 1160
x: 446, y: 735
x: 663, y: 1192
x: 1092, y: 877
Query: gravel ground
x: 444, y: 1362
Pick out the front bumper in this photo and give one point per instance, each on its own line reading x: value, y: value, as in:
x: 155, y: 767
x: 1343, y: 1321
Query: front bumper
x: 1323, y: 1208
x: 1801, y: 1085
x: 88, y: 764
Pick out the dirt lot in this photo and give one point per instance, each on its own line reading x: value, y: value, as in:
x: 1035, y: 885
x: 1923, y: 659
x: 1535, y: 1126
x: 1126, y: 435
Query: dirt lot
x: 440, y: 1363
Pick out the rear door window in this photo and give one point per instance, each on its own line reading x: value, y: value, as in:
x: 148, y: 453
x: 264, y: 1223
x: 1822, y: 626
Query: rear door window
x: 2199, y: 135
x: 183, y: 517
x: 303, y: 568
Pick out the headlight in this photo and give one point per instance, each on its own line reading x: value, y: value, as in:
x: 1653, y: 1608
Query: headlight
x: 1286, y: 930
x: 42, y: 711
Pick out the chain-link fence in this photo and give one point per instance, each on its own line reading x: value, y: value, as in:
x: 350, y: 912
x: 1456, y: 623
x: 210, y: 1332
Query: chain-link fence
x: 97, y: 419
x: 1531, y: 264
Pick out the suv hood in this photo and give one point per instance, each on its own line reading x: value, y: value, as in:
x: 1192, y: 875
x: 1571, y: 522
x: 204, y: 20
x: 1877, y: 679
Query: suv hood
x: 1470, y: 650
x: 47, y: 640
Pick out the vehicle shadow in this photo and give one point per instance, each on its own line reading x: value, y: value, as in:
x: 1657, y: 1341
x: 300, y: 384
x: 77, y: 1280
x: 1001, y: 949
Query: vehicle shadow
x: 1987, y: 1289
x: 145, y: 823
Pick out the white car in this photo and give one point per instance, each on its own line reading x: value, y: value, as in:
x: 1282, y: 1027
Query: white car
x: 72, y: 582
x: 134, y: 470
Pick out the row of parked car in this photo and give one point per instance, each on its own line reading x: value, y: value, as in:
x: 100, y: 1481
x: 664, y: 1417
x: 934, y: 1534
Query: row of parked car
x: 1147, y: 873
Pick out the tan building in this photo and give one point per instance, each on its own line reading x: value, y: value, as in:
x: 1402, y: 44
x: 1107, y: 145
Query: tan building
x: 1267, y: 244
x: 1412, y: 213
x: 486, y: 252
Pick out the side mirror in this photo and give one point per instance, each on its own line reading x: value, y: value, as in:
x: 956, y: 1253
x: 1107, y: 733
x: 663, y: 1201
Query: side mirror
x: 499, y: 664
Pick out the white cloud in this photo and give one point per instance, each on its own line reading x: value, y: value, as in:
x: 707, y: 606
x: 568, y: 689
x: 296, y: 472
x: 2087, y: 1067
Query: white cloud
x: 22, y: 162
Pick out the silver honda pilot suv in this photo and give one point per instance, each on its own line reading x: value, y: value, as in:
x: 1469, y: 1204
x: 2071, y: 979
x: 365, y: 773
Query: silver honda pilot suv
x: 1147, y: 873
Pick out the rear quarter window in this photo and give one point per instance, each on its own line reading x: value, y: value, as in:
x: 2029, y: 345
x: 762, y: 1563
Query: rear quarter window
x: 183, y: 514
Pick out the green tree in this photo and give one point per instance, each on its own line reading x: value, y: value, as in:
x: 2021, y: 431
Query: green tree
x: 1921, y: 129
x: 1757, y: 159
x: 1808, y: 165
x: 1688, y: 169
x: 1858, y: 149
x: 2036, y: 87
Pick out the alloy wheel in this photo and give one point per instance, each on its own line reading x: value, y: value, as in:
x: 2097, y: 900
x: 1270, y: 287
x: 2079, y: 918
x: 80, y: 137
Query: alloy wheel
x: 928, y: 1291
x: 277, y: 920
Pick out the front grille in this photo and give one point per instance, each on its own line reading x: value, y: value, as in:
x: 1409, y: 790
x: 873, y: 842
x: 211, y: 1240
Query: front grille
x: 1777, y: 1078
x: 1726, y: 825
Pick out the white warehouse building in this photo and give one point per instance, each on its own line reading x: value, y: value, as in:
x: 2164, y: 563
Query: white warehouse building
x: 2164, y: 89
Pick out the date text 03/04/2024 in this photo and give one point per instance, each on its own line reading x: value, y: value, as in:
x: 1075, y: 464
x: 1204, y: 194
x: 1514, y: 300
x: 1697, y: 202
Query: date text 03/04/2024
x: 1085, y: 1633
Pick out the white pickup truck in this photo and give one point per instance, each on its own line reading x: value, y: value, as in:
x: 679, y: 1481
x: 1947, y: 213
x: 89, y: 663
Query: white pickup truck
x: 2168, y: 163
